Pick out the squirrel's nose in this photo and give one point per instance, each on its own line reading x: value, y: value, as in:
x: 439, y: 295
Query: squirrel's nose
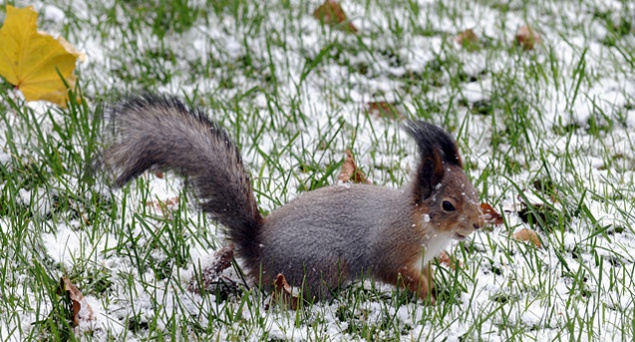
x: 477, y: 226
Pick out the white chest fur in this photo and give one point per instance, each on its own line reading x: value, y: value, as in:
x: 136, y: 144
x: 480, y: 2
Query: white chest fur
x: 435, y: 245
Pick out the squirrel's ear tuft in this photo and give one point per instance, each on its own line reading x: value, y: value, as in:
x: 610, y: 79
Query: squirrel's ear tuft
x: 436, y: 149
x: 429, y: 173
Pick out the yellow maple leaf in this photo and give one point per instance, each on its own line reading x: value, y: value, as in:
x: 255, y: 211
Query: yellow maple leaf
x: 30, y: 60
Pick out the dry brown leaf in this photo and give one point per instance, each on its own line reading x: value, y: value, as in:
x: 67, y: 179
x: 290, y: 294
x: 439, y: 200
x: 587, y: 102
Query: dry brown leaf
x: 384, y: 110
x: 527, y: 37
x: 81, y: 310
x: 212, y: 281
x: 85, y: 218
x: 222, y: 261
x: 468, y: 39
x: 331, y: 13
x: 282, y: 294
x: 528, y: 235
x: 350, y: 172
x: 490, y: 215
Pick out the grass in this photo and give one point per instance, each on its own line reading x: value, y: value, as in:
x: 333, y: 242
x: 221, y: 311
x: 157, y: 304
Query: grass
x: 546, y: 136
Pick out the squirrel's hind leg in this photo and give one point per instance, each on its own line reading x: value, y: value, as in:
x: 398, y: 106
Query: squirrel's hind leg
x: 320, y: 285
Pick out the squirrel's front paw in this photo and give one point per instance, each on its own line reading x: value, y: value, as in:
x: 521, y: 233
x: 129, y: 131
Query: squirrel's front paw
x: 425, y: 290
x: 420, y: 283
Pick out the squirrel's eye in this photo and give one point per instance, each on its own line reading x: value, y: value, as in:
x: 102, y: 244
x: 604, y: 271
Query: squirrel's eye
x: 447, y: 206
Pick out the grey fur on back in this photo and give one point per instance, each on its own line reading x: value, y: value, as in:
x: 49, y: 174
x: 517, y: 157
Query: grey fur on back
x: 155, y: 130
x: 347, y: 229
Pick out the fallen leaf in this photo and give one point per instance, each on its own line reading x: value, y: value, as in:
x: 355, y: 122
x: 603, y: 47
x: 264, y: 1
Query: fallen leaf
x: 213, y: 282
x: 282, y: 294
x: 30, y: 60
x: 82, y: 312
x: 527, y: 37
x: 222, y: 260
x: 350, y: 172
x: 528, y: 235
x: 331, y: 13
x: 384, y: 110
x: 468, y: 40
x: 490, y: 215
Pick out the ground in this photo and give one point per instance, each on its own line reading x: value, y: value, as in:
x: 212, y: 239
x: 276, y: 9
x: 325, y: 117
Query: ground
x: 545, y: 134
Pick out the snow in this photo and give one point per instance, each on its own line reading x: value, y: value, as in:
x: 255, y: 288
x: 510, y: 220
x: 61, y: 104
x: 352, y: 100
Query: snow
x: 331, y: 92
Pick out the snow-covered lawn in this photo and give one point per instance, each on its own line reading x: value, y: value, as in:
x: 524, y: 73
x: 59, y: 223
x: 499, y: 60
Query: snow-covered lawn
x: 546, y: 136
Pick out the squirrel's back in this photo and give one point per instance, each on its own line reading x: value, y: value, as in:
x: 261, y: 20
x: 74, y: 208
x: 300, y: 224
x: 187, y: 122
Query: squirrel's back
x: 338, y: 230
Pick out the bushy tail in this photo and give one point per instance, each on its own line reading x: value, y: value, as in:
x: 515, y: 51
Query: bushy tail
x: 154, y: 130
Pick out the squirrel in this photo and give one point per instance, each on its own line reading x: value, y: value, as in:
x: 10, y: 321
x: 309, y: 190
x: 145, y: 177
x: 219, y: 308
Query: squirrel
x: 323, y: 238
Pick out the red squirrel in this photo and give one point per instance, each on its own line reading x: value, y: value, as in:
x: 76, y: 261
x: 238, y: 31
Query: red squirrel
x: 324, y: 237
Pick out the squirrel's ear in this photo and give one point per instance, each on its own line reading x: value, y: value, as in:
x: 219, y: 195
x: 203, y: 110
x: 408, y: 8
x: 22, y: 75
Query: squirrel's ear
x: 437, y: 151
x: 429, y: 175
